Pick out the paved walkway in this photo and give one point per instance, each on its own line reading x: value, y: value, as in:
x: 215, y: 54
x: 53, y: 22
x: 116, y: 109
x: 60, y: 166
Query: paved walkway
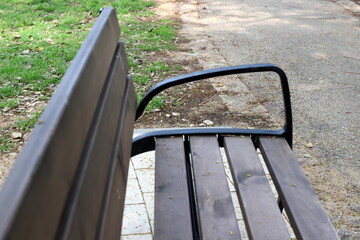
x: 138, y: 223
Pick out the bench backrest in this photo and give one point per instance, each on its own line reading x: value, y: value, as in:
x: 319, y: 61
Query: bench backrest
x: 73, y: 169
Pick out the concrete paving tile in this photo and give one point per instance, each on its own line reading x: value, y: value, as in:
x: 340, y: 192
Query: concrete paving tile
x: 144, y: 160
x: 263, y: 164
x: 287, y: 223
x: 242, y: 229
x: 227, y: 170
x: 273, y: 188
x: 131, y: 173
x: 236, y: 204
x: 152, y: 225
x: 230, y: 184
x: 146, y: 179
x: 133, y: 193
x: 150, y: 204
x: 137, y: 237
x: 135, y: 220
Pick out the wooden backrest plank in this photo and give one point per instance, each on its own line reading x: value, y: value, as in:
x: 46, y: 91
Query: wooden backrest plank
x: 172, y: 207
x: 35, y: 192
x: 114, y: 198
x: 85, y: 199
x: 307, y: 216
x: 262, y: 215
x: 215, y: 208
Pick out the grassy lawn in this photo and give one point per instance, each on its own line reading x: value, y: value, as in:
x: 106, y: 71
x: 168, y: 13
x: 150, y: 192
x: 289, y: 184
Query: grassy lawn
x: 40, y: 37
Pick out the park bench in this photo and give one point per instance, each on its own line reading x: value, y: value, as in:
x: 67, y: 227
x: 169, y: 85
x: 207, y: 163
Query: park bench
x: 69, y: 181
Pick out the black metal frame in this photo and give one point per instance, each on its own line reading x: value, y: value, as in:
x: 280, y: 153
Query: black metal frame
x: 146, y: 141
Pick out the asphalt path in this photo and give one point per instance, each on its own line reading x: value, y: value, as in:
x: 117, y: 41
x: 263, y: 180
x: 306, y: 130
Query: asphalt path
x: 316, y: 42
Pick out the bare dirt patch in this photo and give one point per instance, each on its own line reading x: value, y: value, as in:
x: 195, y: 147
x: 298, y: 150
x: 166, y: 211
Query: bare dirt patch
x: 195, y: 105
x: 13, y: 133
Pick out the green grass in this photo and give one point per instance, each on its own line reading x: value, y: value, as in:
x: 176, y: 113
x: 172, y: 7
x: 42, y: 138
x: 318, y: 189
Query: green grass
x: 142, y: 37
x: 25, y: 125
x: 39, y: 38
x: 6, y: 145
x: 9, y: 103
x: 157, y: 66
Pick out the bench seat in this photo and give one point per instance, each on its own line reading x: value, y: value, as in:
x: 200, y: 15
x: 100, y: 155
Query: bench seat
x: 192, y: 197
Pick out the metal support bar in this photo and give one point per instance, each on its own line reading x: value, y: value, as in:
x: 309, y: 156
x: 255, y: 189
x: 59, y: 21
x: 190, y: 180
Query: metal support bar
x: 146, y: 141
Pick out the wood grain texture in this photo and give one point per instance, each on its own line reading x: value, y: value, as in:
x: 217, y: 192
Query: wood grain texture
x: 215, y: 209
x: 261, y: 213
x: 114, y: 198
x: 36, y: 190
x: 307, y: 216
x: 87, y: 192
x: 172, y: 209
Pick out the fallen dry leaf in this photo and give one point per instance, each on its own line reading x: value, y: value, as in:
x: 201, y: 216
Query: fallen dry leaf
x: 309, y: 145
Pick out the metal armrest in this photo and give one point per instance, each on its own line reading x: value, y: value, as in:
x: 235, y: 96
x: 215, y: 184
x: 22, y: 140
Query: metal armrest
x: 286, y: 131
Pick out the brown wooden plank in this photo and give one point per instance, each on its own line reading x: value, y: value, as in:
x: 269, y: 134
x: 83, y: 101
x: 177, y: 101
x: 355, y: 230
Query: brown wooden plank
x: 111, y: 219
x: 307, y: 216
x: 172, y: 208
x: 114, y: 200
x: 261, y: 213
x: 215, y: 209
x: 86, y: 197
x: 34, y: 194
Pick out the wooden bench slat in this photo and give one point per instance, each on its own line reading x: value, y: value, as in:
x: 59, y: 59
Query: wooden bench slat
x: 111, y: 219
x: 40, y: 180
x: 172, y: 207
x: 307, y: 216
x: 215, y: 208
x: 114, y: 199
x: 261, y: 213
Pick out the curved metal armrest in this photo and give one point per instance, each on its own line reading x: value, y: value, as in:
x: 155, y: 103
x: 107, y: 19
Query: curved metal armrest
x: 240, y: 69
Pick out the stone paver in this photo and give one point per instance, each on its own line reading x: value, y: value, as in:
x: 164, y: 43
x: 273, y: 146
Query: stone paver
x: 137, y: 237
x: 146, y: 177
x: 131, y: 173
x: 149, y: 202
x: 135, y: 220
x: 133, y: 192
x: 144, y: 161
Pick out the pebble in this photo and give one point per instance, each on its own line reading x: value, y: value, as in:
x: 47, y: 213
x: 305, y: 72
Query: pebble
x: 208, y: 122
x: 6, y: 109
x: 175, y: 114
x: 13, y: 155
x: 16, y: 135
